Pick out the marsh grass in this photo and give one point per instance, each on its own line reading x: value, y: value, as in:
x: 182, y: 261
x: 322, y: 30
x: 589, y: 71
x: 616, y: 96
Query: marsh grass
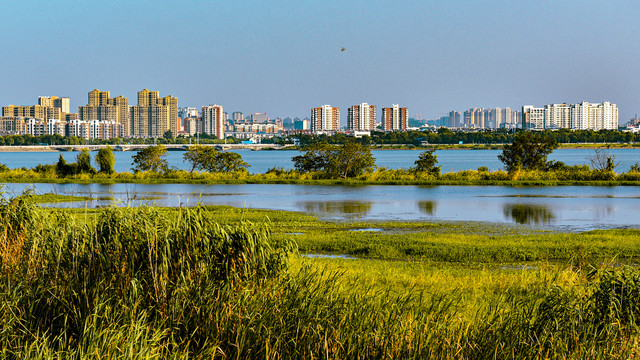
x: 216, y: 283
x: 576, y: 175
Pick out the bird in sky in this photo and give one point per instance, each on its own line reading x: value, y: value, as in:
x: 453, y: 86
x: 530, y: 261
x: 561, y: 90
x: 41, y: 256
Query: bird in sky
x: 343, y: 49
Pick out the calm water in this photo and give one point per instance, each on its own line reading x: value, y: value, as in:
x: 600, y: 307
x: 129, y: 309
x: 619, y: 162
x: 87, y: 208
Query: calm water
x: 564, y: 207
x: 261, y: 161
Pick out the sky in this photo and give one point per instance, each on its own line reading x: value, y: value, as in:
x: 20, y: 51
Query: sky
x: 284, y: 57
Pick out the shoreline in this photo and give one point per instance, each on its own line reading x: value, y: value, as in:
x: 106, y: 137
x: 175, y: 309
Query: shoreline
x: 41, y: 148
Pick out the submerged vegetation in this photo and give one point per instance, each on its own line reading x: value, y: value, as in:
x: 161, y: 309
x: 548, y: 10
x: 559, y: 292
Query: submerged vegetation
x: 221, y: 282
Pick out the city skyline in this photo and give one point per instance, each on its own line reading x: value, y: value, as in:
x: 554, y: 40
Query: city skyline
x: 277, y: 58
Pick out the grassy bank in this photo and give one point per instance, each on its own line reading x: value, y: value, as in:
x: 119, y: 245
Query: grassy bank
x: 220, y: 282
x: 579, y: 175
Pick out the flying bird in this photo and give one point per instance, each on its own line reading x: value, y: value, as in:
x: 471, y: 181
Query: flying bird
x: 343, y: 49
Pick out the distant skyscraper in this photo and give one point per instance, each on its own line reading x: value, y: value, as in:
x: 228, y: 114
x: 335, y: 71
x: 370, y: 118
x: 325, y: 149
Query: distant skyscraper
x: 455, y: 119
x: 303, y: 124
x: 187, y: 112
x: 325, y: 118
x: 259, y: 118
x: 394, y: 118
x: 361, y: 117
x: 237, y: 116
x: 213, y: 120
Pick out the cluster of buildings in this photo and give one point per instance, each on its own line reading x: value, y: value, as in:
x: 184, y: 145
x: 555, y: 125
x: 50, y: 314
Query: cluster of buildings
x: 582, y: 116
x: 105, y: 117
x: 360, y: 118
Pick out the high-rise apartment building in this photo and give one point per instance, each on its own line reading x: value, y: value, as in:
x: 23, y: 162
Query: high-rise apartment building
x: 475, y: 118
x: 32, y: 112
x: 149, y: 121
x: 325, y: 118
x: 62, y: 103
x: 48, y: 108
x: 557, y: 116
x: 152, y: 98
x: 532, y: 118
x: 102, y: 107
x: 603, y: 116
x: 361, y: 117
x: 213, y: 120
x: 394, y: 118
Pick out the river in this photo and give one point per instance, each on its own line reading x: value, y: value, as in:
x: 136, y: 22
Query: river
x: 566, y: 208
x: 261, y: 161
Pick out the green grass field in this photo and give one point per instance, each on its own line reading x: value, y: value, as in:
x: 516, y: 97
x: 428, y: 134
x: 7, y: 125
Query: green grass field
x: 222, y: 282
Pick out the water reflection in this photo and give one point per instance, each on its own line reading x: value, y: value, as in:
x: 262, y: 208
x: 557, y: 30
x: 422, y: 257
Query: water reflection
x: 427, y: 207
x: 529, y: 214
x: 349, y: 208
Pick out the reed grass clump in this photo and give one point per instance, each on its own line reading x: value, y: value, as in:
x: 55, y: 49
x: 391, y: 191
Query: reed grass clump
x: 145, y: 282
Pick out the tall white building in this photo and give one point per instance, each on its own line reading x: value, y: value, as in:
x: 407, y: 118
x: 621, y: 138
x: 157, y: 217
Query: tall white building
x: 557, y: 116
x: 362, y: 117
x: 213, y: 121
x: 325, y: 118
x: 595, y: 116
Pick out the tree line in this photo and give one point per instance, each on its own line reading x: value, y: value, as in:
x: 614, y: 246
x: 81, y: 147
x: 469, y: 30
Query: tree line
x: 444, y: 136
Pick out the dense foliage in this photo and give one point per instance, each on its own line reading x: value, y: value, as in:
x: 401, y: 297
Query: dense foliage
x: 447, y: 136
x: 106, y: 160
x: 207, y: 158
x: 152, y: 158
x: 528, y: 151
x: 81, y: 166
x: 426, y: 162
x: 345, y: 161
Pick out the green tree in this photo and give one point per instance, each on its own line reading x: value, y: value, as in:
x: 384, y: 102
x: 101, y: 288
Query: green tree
x: 106, y: 160
x: 348, y: 160
x: 168, y: 135
x: 209, y: 159
x: 426, y: 162
x: 152, y: 158
x: 528, y: 151
x: 314, y: 158
x: 83, y: 159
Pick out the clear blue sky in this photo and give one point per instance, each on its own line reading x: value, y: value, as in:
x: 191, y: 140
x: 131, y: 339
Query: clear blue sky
x: 283, y: 57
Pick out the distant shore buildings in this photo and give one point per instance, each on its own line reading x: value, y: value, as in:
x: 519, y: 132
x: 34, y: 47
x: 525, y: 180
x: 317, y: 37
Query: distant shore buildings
x: 394, y: 118
x: 153, y: 116
x: 361, y: 117
x: 325, y: 118
x: 582, y: 116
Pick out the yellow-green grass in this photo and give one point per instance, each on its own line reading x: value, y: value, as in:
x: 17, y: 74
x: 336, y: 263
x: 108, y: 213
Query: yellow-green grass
x: 379, y: 176
x: 222, y: 282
